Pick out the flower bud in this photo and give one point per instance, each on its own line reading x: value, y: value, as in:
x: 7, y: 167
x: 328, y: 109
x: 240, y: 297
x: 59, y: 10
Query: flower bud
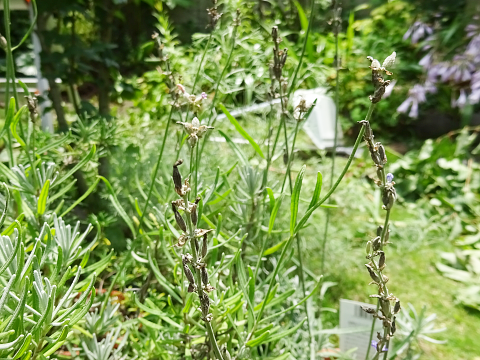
x: 376, y: 243
x: 385, y: 307
x: 389, y: 196
x: 368, y: 249
x: 226, y: 355
x: 372, y: 273
x: 379, y: 230
x: 397, y: 307
x: 394, y: 327
x: 204, y: 245
x: 369, y: 310
x: 381, y: 153
x: 187, y: 271
x: 193, y: 212
x: 177, y: 178
x: 389, y: 61
x: 3, y: 43
x: 204, y: 274
x: 204, y: 303
x: 381, y: 261
x: 179, y: 219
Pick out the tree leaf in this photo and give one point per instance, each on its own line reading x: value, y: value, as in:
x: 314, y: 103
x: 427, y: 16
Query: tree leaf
x: 242, y: 131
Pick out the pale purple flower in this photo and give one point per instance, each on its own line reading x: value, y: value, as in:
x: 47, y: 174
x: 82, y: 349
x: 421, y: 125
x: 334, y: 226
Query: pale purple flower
x: 375, y: 344
x: 204, y: 95
x: 461, y: 101
x: 389, y: 177
x: 417, y: 31
x: 426, y: 60
x: 416, y: 95
x: 472, y: 30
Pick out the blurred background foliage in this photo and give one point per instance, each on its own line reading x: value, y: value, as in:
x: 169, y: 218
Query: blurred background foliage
x: 113, y: 96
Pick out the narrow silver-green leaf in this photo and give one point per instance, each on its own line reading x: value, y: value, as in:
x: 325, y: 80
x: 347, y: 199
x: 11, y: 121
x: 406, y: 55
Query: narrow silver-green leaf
x: 160, y: 278
x: 42, y: 199
x: 13, y: 125
x: 8, y: 116
x: 240, y: 154
x: 242, y: 131
x: 82, y: 162
x: 273, y: 214
x: 118, y: 206
x: 317, y: 191
x: 295, y: 200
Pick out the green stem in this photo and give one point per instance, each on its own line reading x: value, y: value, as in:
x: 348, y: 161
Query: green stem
x: 335, y: 137
x: 324, y: 243
x: 157, y: 166
x: 199, y: 68
x: 310, y: 21
x: 307, y: 215
x: 6, y: 15
x: 290, y: 158
x: 219, y: 80
x: 382, y: 237
x: 372, y: 329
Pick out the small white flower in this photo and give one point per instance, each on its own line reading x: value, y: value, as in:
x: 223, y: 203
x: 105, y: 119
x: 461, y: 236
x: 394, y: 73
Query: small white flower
x: 389, y: 61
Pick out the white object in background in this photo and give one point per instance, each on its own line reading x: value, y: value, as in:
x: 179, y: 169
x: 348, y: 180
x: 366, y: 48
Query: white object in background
x: 352, y: 316
x: 320, y: 125
x: 16, y: 5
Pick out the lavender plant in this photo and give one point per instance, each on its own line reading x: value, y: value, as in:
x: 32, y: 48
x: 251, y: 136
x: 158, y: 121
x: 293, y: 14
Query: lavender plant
x: 190, y: 233
x: 376, y: 248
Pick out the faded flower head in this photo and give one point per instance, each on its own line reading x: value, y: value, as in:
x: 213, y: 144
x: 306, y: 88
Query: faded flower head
x: 195, y: 130
x: 192, y: 100
x: 389, y: 61
x: 214, y: 15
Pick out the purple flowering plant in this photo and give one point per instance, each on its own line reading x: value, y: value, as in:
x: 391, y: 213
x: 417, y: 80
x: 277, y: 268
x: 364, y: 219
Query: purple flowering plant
x: 459, y: 72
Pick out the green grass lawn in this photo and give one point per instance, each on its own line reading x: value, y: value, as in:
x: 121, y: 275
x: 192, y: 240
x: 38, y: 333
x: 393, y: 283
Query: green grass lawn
x: 414, y: 279
x: 410, y: 260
